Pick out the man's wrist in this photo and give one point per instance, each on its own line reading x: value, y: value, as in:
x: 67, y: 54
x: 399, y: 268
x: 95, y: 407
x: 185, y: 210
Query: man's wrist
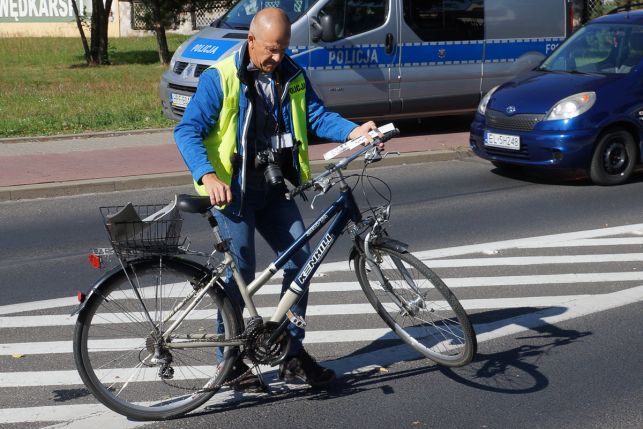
x: 201, y: 179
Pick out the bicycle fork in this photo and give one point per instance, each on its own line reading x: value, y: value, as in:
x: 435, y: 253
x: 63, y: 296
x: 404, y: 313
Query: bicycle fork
x: 409, y: 307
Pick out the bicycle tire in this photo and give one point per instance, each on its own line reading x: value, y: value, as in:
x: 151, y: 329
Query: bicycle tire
x: 112, y: 340
x: 450, y: 340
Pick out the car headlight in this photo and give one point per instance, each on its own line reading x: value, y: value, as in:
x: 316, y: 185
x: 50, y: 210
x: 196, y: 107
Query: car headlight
x: 572, y: 106
x: 482, y: 107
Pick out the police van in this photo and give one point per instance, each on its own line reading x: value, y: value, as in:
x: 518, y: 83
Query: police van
x: 389, y: 59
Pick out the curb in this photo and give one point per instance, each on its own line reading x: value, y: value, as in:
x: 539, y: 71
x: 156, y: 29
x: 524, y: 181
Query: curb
x: 113, y: 184
x: 95, y: 134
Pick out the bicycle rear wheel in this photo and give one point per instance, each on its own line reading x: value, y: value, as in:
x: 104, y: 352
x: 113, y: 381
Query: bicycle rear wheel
x: 118, y: 352
x: 417, y: 305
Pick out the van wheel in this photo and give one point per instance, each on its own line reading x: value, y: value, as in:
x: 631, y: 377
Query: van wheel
x: 614, y: 158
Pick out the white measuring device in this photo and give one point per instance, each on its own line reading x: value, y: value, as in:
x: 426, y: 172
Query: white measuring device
x: 352, y: 144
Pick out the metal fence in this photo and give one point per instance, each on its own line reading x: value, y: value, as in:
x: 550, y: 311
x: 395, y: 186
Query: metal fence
x: 199, y: 19
x: 203, y: 18
x: 594, y: 8
x: 138, y: 11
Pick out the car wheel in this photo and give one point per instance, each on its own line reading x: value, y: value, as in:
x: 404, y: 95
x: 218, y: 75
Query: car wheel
x: 614, y: 158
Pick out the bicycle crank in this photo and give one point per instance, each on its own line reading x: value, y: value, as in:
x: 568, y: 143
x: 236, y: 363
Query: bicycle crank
x: 263, y: 351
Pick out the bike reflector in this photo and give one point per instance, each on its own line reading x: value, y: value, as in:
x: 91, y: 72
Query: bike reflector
x: 80, y: 296
x: 94, y: 260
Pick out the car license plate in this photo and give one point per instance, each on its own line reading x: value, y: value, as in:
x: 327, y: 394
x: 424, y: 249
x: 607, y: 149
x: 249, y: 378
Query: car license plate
x: 180, y: 100
x: 504, y: 141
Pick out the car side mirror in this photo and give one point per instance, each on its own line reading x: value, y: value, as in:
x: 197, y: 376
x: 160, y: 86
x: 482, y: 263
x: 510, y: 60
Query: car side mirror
x: 638, y: 69
x: 322, y: 28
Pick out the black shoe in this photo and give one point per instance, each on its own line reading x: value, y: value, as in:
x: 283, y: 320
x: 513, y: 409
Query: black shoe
x: 243, y: 380
x: 303, y: 366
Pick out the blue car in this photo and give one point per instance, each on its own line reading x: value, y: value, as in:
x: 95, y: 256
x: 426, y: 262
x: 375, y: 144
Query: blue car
x: 582, y: 108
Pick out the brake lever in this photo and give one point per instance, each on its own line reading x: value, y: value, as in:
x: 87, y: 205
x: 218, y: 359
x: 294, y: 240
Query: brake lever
x: 323, y: 185
x: 372, y: 155
x: 376, y: 155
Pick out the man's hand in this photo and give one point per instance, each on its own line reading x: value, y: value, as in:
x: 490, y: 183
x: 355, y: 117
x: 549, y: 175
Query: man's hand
x: 363, y: 130
x: 218, y: 191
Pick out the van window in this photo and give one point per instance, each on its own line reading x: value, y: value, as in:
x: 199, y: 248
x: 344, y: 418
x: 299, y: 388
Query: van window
x: 442, y: 20
x: 356, y: 16
x: 240, y: 15
x: 511, y: 19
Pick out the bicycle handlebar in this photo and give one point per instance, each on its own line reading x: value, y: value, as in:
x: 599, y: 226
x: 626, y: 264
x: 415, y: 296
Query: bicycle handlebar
x: 331, y: 168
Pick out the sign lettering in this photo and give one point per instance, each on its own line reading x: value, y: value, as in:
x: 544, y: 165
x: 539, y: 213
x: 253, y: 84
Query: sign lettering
x: 352, y: 56
x: 321, y: 250
x: 41, y: 10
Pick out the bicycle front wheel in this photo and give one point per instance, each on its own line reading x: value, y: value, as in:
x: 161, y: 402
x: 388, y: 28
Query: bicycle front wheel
x: 417, y: 305
x: 122, y: 351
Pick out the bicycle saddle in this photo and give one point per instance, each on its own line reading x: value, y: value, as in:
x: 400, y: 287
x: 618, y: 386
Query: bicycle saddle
x: 193, y: 203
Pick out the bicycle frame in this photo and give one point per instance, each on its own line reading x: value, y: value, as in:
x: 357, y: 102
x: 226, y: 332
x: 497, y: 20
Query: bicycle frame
x: 343, y: 210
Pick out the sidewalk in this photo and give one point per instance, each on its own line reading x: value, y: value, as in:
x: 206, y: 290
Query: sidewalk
x: 37, y: 169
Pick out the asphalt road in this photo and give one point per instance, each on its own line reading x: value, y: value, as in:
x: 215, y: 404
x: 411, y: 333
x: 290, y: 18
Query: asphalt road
x: 557, y: 313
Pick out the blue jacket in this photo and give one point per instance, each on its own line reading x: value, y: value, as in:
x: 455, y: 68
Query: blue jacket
x: 203, y: 110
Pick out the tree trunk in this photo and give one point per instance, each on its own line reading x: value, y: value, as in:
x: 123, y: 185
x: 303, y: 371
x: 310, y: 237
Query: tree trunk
x: 95, y: 31
x: 104, y: 37
x: 161, y: 39
x: 159, y: 29
x: 88, y: 56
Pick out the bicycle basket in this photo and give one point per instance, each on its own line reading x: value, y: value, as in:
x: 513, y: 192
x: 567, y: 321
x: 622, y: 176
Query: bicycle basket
x: 136, y: 230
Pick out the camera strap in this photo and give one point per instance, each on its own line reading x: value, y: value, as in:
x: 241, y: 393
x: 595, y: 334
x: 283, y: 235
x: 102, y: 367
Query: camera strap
x: 272, y: 108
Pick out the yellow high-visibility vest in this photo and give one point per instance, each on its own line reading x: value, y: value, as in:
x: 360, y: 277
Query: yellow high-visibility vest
x: 221, y: 143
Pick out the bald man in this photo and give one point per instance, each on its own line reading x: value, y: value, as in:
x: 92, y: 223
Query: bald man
x: 252, y: 111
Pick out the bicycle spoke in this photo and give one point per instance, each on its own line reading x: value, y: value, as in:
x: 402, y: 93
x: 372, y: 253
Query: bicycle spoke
x: 405, y: 302
x: 117, y: 338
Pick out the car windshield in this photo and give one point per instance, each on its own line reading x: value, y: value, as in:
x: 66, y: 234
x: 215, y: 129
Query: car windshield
x: 240, y: 15
x: 598, y: 48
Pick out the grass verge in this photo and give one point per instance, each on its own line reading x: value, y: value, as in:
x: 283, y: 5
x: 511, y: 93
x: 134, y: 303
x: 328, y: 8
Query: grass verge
x: 46, y: 88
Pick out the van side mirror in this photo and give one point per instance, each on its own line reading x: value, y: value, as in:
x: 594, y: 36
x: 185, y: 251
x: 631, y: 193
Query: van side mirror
x: 315, y: 29
x: 328, y: 28
x: 322, y: 28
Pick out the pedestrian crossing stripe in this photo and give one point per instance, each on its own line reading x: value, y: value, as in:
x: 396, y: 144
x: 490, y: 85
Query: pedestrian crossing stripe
x: 86, y: 413
x: 548, y: 310
x: 570, y: 239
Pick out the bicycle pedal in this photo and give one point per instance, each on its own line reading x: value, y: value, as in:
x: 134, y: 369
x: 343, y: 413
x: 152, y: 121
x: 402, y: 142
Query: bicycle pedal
x: 296, y: 319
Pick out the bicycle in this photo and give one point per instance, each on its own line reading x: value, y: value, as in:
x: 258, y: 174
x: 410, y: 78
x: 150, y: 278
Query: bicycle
x: 144, y: 341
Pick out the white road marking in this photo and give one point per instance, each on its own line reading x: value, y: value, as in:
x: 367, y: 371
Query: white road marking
x: 590, y: 242
x: 531, y: 241
x: 314, y: 310
x: 95, y: 415
x: 533, y: 260
x: 120, y: 344
x: 83, y: 415
x: 554, y: 240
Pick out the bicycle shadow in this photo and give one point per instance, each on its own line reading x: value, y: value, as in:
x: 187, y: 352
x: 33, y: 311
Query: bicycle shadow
x: 358, y: 372
x: 347, y: 385
x: 514, y: 371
